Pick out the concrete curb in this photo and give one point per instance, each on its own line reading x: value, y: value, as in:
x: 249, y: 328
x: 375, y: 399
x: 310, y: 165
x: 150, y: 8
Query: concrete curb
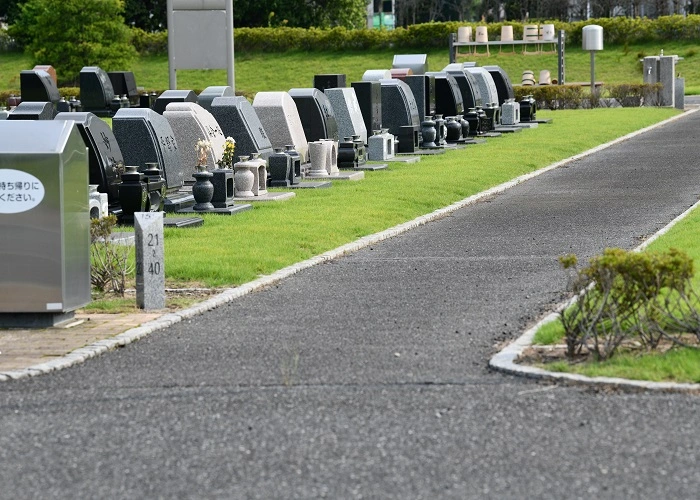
x: 97, y: 348
x: 504, y: 361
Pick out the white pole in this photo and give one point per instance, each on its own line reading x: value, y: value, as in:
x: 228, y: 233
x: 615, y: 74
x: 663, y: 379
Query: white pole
x: 229, y: 44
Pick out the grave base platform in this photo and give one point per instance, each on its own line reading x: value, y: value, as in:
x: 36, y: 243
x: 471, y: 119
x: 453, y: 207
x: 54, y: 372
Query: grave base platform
x: 310, y: 185
x: 543, y: 121
x: 427, y: 151
x: 508, y: 129
x: 372, y: 166
x: 404, y: 159
x: 182, y: 221
x: 347, y: 176
x: 35, y: 320
x: 275, y: 196
x: 232, y: 210
x: 491, y: 134
x: 526, y: 125
x: 178, y: 201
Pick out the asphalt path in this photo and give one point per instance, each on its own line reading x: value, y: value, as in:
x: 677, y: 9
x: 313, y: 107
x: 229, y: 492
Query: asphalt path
x: 367, y: 377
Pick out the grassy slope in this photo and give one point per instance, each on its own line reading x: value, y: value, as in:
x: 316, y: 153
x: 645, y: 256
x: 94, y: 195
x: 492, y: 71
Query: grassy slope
x: 281, y: 71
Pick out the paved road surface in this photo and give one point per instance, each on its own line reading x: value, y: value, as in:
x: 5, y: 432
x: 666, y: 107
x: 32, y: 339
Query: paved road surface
x: 367, y: 377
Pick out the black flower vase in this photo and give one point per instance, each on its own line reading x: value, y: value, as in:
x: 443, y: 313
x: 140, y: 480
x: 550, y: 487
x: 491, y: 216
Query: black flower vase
x: 202, y: 190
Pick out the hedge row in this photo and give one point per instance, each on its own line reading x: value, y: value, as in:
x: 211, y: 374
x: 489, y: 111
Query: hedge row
x: 575, y: 96
x: 616, y: 30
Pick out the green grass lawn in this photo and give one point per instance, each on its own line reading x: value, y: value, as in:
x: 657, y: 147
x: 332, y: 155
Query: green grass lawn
x: 257, y: 72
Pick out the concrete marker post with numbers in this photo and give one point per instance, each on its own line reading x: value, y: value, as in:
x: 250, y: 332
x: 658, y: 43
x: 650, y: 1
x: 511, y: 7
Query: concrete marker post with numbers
x: 150, y: 260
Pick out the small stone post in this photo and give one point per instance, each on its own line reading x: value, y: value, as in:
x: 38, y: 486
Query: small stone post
x: 150, y: 269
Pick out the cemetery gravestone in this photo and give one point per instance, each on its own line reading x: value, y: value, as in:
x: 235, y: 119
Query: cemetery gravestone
x: 504, y: 87
x: 418, y: 63
x: 471, y: 96
x: 190, y: 123
x: 49, y: 69
x: 448, y: 96
x: 208, y: 95
x: 44, y: 222
x: 96, y: 91
x: 280, y: 118
x: 144, y: 137
x: 38, y: 86
x: 347, y: 113
x: 104, y: 155
x: 316, y: 114
x: 399, y: 106
x: 150, y: 260
x: 124, y: 83
x: 369, y: 97
x: 375, y: 75
x: 173, y: 96
x: 487, y: 86
x: 423, y: 88
x: 238, y: 119
x: 330, y: 81
x: 33, y: 111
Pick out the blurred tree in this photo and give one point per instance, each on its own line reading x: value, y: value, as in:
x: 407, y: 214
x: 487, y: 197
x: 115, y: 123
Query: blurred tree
x: 70, y: 34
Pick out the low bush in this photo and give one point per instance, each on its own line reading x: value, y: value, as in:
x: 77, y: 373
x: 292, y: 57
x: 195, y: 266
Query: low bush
x: 623, y: 296
x: 574, y: 96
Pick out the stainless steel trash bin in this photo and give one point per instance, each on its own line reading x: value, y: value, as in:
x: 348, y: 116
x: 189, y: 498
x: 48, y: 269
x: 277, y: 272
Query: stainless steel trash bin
x: 44, y: 223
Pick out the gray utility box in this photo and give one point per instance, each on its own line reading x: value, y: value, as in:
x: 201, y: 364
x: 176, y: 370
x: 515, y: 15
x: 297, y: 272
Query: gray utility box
x: 44, y: 223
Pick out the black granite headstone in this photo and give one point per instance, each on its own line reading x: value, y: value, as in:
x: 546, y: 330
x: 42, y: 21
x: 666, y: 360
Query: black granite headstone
x: 210, y: 93
x: 38, y: 86
x: 448, y: 97
x: 33, y: 111
x: 423, y: 88
x: 145, y: 136
x: 471, y: 95
x: 124, y: 83
x: 104, y: 155
x: 173, y: 96
x: 369, y: 95
x: 316, y: 114
x: 96, y: 91
x: 399, y: 106
x: 238, y: 119
x: 330, y: 81
x: 503, y: 83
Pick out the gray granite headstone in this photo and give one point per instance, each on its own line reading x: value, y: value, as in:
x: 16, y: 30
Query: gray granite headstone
x: 471, y: 95
x: 667, y: 76
x: 104, y: 155
x: 38, y: 86
x: 144, y: 136
x: 502, y: 82
x: 238, y: 119
x: 190, y: 123
x: 423, y: 88
x: 316, y: 114
x: 33, y: 111
x: 347, y: 112
x: 150, y: 260
x: 173, y: 96
x: 399, y: 106
x: 487, y: 87
x: 280, y: 118
x: 96, y: 91
x: 210, y: 93
x: 448, y: 96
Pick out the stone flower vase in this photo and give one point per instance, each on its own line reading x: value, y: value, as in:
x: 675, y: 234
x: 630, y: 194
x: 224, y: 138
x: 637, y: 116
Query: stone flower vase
x: 202, y: 189
x: 428, y: 132
x: 243, y: 177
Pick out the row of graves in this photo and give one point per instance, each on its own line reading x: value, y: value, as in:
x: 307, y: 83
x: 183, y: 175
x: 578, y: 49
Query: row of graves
x: 167, y: 152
